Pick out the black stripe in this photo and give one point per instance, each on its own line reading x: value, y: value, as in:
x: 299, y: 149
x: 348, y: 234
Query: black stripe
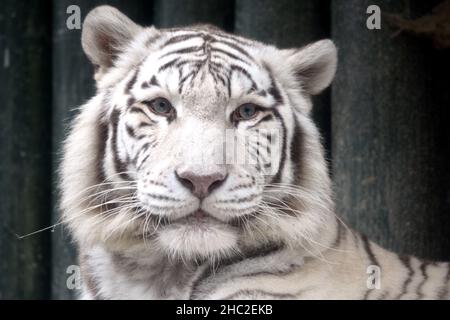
x: 277, y: 177
x: 220, y: 77
x: 262, y: 251
x: 368, y: 249
x: 406, y: 261
x: 184, y: 78
x: 213, y: 69
x: 235, y: 47
x: 423, y: 269
x: 130, y: 101
x: 372, y: 258
x: 154, y: 82
x: 296, y: 153
x: 207, y: 38
x: 143, y: 161
x: 131, y: 83
x: 443, y: 293
x: 145, y: 147
x: 182, y: 51
x: 239, y: 40
x: 229, y: 54
x: 218, y: 67
x: 267, y: 136
x: 339, y: 234
x: 180, y: 38
x: 384, y: 295
x: 162, y: 197
x: 262, y: 93
x: 259, y: 156
x: 203, y: 276
x: 102, y: 136
x: 267, y: 165
x: 259, y: 252
x: 168, y: 64
x: 234, y: 68
x: 130, y: 131
x: 145, y: 124
x: 215, y: 79
x: 157, y: 183
x: 241, y: 186
x: 119, y: 166
x: 273, y: 90
x: 229, y: 86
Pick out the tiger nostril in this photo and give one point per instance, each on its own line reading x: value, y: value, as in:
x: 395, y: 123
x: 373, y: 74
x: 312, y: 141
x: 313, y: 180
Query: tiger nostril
x: 216, y: 184
x: 185, y: 182
x: 201, y: 185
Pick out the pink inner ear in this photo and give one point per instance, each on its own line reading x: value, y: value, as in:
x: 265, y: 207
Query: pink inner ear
x: 106, y: 45
x: 307, y: 76
x: 313, y: 66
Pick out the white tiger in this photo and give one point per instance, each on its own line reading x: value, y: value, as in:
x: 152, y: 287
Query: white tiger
x: 156, y: 214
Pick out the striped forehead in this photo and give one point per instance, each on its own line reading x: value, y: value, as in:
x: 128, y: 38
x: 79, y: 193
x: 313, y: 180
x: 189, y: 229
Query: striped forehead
x: 217, y: 63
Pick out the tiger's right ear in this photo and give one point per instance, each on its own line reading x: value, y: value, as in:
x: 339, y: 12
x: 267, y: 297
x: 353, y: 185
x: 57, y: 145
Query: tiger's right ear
x: 106, y: 32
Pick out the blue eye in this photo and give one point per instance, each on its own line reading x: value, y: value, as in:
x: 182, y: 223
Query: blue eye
x: 245, y: 112
x: 162, y: 106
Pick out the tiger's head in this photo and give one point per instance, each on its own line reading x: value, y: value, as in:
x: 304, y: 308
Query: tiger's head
x: 198, y: 143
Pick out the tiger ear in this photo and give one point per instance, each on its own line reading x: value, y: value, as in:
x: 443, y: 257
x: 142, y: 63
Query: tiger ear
x: 313, y: 66
x: 106, y: 32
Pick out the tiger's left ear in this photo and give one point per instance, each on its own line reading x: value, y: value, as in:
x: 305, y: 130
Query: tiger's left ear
x: 106, y: 32
x: 313, y: 66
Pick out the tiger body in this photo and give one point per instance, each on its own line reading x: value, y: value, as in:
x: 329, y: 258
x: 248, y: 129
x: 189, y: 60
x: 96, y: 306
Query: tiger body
x: 160, y: 211
x: 274, y: 273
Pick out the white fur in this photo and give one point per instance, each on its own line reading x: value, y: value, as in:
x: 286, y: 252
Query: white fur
x: 168, y: 260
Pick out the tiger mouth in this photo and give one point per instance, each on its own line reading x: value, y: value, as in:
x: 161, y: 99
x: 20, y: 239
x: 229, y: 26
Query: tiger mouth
x: 200, y: 216
x: 197, y: 216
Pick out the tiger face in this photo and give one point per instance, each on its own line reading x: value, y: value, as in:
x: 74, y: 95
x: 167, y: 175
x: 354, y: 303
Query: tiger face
x: 201, y: 138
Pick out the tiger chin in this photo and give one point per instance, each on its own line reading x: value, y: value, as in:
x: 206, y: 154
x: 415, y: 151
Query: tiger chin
x: 196, y: 172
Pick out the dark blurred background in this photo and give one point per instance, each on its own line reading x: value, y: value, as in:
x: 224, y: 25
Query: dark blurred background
x: 385, y: 121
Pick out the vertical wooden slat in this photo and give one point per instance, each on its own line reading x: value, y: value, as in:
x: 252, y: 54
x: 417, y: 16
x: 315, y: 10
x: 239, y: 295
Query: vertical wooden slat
x: 25, y: 131
x: 289, y: 24
x: 390, y: 131
x: 175, y: 13
x: 72, y: 86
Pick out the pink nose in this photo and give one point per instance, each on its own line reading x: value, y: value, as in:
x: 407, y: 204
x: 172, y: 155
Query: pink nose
x: 201, y: 185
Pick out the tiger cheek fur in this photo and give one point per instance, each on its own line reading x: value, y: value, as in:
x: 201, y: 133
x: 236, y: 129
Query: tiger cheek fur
x: 197, y: 172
